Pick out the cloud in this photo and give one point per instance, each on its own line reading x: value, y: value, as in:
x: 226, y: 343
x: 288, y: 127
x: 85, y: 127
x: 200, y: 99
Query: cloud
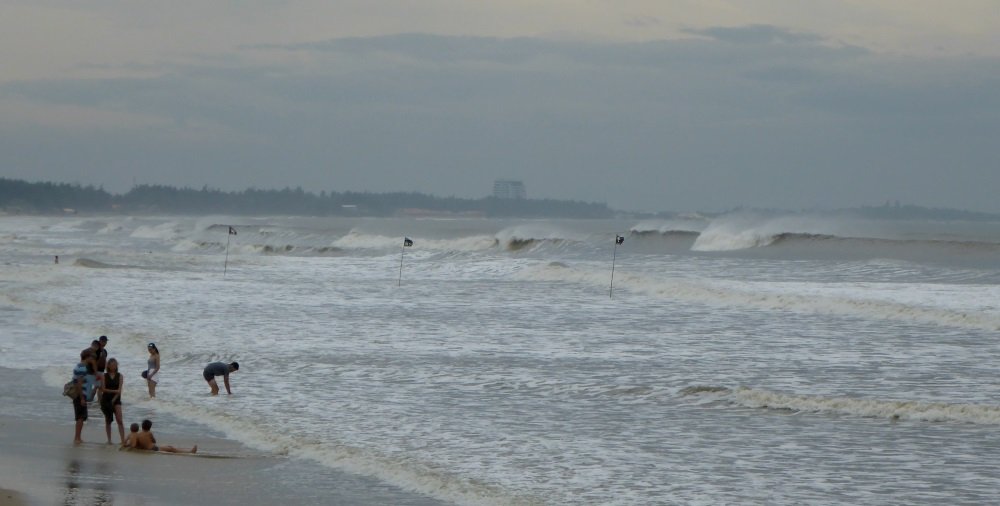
x: 752, y: 115
x: 643, y: 21
x: 755, y: 34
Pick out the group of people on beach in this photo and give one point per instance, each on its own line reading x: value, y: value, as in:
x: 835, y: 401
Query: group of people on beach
x: 97, y: 378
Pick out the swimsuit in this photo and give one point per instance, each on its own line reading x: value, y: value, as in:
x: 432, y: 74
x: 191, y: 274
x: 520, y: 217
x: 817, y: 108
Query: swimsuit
x: 110, y: 400
x: 149, y: 367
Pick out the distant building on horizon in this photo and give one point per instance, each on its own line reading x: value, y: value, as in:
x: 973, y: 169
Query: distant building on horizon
x: 509, y: 189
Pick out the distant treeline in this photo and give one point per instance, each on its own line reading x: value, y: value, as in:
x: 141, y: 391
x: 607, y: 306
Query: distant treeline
x: 23, y: 197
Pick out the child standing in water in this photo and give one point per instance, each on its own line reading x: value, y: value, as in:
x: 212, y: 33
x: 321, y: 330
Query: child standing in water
x: 152, y: 368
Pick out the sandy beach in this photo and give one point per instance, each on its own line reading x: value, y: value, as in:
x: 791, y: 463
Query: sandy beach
x: 42, y: 466
x: 10, y: 498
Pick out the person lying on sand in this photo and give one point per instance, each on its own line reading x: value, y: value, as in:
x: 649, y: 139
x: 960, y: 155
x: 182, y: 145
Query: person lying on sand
x: 146, y: 441
x: 130, y: 439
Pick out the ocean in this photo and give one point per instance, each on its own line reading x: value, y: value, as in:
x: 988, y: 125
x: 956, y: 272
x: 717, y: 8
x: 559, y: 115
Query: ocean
x: 752, y: 358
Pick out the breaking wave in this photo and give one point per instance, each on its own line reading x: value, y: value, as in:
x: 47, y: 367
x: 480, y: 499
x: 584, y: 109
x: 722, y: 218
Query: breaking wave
x: 94, y: 264
x: 722, y: 293
x: 741, y: 235
x: 532, y: 237
x: 666, y: 233
x: 355, y: 240
x: 164, y: 231
x: 693, y: 223
x: 516, y: 244
x: 926, y: 411
x: 752, y: 239
x: 812, y: 236
x: 262, y: 249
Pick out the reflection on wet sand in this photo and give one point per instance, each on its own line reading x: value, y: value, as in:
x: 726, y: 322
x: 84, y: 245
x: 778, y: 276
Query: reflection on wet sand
x: 87, y: 488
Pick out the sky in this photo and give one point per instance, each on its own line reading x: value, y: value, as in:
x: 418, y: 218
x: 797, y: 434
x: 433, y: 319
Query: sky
x: 646, y: 105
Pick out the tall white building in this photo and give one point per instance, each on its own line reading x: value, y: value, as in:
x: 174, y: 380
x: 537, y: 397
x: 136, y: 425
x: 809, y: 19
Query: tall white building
x: 508, y: 189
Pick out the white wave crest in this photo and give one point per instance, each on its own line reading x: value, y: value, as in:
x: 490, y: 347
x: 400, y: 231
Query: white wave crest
x: 872, y: 408
x: 93, y: 264
x: 110, y: 228
x: 357, y: 240
x: 538, y: 232
x: 750, y: 295
x: 715, y: 239
x: 687, y: 223
x: 753, y: 230
x: 165, y: 231
x: 984, y: 414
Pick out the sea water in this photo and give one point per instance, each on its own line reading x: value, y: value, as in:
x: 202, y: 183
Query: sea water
x: 740, y: 359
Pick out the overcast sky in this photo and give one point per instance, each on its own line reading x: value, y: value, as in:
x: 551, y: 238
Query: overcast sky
x: 644, y: 104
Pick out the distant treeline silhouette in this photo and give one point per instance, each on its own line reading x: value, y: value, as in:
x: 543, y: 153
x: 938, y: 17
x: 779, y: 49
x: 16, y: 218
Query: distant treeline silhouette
x: 18, y: 196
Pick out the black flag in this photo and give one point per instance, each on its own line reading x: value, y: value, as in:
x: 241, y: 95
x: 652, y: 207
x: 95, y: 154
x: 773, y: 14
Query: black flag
x: 619, y: 239
x: 232, y: 231
x: 407, y: 242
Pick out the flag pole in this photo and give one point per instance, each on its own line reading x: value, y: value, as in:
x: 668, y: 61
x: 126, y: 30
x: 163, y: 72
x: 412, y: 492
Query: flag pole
x: 225, y: 266
x: 407, y: 242
x: 618, y: 240
x: 229, y: 235
x: 402, y: 249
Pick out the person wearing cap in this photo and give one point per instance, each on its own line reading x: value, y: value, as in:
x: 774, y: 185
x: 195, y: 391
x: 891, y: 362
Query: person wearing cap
x: 101, y: 359
x: 152, y: 368
x: 101, y: 354
x: 219, y: 369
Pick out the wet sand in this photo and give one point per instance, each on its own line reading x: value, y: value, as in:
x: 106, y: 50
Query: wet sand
x: 40, y: 465
x: 10, y: 498
x: 44, y: 468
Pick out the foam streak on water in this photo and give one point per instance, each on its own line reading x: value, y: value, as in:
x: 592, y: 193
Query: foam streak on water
x: 500, y: 372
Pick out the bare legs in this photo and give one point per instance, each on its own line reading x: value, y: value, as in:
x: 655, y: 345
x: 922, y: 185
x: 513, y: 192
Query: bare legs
x: 121, y: 426
x: 152, y: 388
x: 214, y: 386
x: 171, y: 449
x: 80, y: 410
x: 77, y: 439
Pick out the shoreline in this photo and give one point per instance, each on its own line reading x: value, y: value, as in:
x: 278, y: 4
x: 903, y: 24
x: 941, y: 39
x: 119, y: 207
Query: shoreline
x: 11, y: 498
x: 41, y: 465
